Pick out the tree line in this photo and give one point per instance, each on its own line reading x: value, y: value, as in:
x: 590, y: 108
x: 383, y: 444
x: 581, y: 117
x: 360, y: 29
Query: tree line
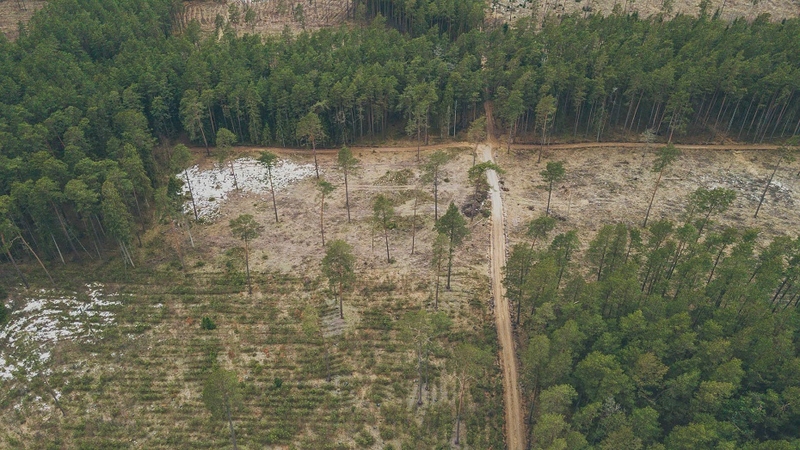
x: 680, y: 335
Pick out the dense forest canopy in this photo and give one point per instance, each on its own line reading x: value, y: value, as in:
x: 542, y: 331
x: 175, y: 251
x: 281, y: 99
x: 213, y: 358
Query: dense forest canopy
x: 676, y: 336
x: 683, y: 335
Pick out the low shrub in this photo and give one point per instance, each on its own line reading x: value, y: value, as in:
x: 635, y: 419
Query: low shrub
x: 207, y: 324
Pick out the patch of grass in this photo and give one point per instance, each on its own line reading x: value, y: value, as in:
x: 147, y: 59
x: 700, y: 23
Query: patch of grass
x: 400, y: 177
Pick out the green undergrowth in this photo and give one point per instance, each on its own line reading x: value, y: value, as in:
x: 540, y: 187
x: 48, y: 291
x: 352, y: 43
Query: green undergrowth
x: 140, y: 383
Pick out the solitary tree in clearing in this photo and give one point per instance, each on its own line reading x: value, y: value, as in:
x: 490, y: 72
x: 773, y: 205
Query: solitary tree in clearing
x: 324, y: 188
x: 268, y: 159
x: 454, y: 226
x: 553, y: 173
x: 246, y: 228
x: 784, y: 155
x: 347, y: 162
x: 434, y: 171
x: 439, y: 255
x: 666, y: 156
x: 222, y: 397
x: 383, y: 213
x: 338, y: 265
x: 310, y: 128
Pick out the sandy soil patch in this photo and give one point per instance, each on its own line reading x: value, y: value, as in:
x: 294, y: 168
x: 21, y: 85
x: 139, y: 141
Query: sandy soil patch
x: 611, y: 185
x: 211, y: 187
x: 287, y: 247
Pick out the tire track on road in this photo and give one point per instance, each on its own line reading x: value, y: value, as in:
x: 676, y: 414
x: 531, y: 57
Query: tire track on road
x: 515, y: 430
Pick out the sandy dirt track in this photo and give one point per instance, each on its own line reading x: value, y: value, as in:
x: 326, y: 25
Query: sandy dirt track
x: 515, y: 435
x: 552, y: 147
x: 587, y: 145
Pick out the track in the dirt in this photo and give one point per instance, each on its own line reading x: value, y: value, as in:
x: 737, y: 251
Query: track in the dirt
x: 515, y: 430
x: 457, y: 144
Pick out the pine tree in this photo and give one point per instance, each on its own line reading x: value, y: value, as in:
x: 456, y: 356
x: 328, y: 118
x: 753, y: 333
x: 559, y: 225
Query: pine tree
x: 454, y: 226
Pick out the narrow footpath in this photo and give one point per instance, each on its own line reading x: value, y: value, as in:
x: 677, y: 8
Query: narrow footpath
x: 515, y: 430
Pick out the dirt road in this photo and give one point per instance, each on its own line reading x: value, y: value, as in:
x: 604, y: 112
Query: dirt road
x: 286, y: 151
x: 515, y: 431
x: 639, y: 145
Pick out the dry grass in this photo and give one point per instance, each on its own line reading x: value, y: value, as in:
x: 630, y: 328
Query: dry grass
x: 614, y: 185
x: 729, y: 9
x: 140, y: 384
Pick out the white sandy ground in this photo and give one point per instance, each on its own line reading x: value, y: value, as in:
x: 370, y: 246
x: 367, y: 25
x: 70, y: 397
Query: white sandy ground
x: 211, y: 187
x: 51, y: 316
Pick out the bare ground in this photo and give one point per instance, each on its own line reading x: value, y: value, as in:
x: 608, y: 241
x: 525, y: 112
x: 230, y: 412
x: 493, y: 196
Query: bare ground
x: 729, y: 9
x: 14, y: 12
x: 286, y: 248
x: 270, y: 17
x: 515, y: 429
x: 613, y: 183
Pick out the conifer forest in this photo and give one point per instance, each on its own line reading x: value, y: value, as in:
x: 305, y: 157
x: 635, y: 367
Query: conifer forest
x: 399, y: 225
